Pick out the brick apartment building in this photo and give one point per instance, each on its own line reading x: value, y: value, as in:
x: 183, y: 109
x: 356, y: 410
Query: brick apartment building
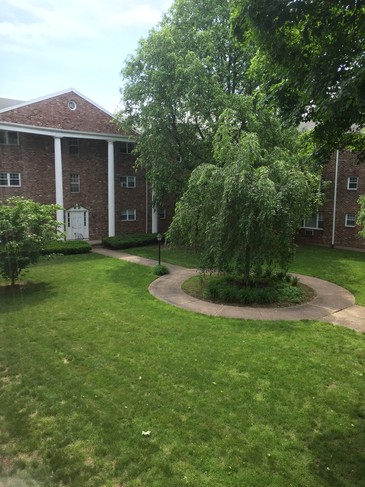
x: 335, y: 224
x: 65, y: 149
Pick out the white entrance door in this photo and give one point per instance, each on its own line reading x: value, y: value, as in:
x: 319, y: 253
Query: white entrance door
x: 77, y: 223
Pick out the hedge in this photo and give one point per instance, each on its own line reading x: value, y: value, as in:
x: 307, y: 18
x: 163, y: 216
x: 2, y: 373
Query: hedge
x: 67, y: 248
x: 131, y: 240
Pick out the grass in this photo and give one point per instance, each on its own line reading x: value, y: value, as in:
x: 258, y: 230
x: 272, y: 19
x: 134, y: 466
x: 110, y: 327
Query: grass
x: 89, y: 360
x: 343, y: 267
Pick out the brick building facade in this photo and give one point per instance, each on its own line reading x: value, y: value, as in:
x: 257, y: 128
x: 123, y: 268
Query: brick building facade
x: 335, y: 223
x: 65, y: 149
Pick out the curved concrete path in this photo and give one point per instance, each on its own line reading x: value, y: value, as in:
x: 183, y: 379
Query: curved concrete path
x: 332, y: 304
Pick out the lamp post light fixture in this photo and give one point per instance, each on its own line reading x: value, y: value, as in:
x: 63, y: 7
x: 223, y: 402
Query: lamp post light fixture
x: 159, y: 238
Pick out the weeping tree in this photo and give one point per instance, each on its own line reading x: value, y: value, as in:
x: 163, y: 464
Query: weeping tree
x: 242, y: 212
x: 26, y: 227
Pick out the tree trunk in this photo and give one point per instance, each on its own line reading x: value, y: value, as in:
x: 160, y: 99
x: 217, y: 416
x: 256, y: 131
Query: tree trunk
x: 246, y: 274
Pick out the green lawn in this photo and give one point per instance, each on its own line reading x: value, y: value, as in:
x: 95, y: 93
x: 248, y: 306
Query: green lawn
x: 89, y: 360
x: 343, y: 267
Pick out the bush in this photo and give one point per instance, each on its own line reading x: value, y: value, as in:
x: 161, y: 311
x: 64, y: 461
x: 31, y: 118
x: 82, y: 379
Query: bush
x: 67, y: 248
x: 230, y: 289
x: 127, y: 241
x: 160, y: 270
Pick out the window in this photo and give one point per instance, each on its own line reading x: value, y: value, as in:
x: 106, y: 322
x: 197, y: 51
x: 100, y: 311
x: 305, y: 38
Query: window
x: 9, y: 179
x: 127, y: 147
x: 128, y: 215
x: 72, y: 105
x: 315, y: 221
x: 350, y: 220
x: 128, y: 181
x: 73, y: 147
x: 8, y: 137
x: 352, y: 183
x: 75, y: 183
x: 162, y: 214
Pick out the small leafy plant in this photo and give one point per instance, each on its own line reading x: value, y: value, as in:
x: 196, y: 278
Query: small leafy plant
x: 160, y: 270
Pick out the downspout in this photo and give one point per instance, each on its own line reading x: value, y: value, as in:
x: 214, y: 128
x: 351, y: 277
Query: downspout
x: 334, y: 201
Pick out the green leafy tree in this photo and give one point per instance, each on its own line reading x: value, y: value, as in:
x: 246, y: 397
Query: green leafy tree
x: 311, y: 63
x: 177, y: 84
x: 242, y: 212
x: 360, y: 220
x: 25, y: 228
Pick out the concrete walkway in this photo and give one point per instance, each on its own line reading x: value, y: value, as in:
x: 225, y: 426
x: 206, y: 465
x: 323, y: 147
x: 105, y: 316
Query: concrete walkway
x: 332, y: 304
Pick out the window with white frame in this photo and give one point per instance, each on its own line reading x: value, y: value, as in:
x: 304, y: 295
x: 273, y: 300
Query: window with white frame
x: 127, y: 147
x: 350, y: 220
x: 162, y: 214
x: 10, y: 179
x: 75, y: 183
x: 8, y: 137
x: 73, y: 147
x: 128, y: 215
x: 352, y: 182
x: 314, y: 222
x: 128, y: 181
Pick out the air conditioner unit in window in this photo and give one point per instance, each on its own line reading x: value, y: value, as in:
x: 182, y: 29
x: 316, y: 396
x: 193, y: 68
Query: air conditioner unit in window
x: 309, y: 233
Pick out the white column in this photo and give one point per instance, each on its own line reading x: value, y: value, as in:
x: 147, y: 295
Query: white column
x: 154, y: 216
x: 111, y: 190
x: 58, y: 178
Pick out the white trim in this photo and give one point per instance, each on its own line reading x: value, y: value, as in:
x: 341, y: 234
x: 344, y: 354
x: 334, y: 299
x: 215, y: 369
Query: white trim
x: 54, y: 132
x: 154, y: 216
x: 59, y: 178
x: 335, y: 200
x: 111, y: 190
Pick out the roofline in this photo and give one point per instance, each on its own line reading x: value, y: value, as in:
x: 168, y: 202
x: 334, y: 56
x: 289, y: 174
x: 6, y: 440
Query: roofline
x: 55, y: 132
x: 53, y: 95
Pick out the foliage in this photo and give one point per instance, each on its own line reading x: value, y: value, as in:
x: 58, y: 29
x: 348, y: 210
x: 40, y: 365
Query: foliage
x: 91, y: 360
x: 230, y: 289
x: 67, y: 247
x: 177, y: 84
x: 311, y: 62
x: 129, y: 240
x: 26, y: 227
x: 160, y: 270
x: 361, y: 216
x: 243, y: 212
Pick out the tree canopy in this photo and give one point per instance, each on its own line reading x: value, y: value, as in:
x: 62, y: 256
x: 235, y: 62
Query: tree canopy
x: 312, y: 60
x: 25, y: 228
x: 243, y: 211
x: 177, y: 84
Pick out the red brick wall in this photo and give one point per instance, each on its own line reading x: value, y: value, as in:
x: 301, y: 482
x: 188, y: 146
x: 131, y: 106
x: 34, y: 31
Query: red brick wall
x: 54, y: 112
x: 34, y: 159
x: 346, y: 203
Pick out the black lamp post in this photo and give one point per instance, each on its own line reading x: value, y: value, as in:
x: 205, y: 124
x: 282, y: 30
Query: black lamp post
x: 159, y: 238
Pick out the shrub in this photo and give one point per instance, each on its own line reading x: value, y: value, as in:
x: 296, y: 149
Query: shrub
x: 131, y: 240
x: 229, y: 289
x: 160, y: 270
x: 67, y: 247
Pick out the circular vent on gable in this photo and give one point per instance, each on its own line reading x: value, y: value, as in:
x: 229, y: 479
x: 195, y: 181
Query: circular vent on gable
x: 72, y: 105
